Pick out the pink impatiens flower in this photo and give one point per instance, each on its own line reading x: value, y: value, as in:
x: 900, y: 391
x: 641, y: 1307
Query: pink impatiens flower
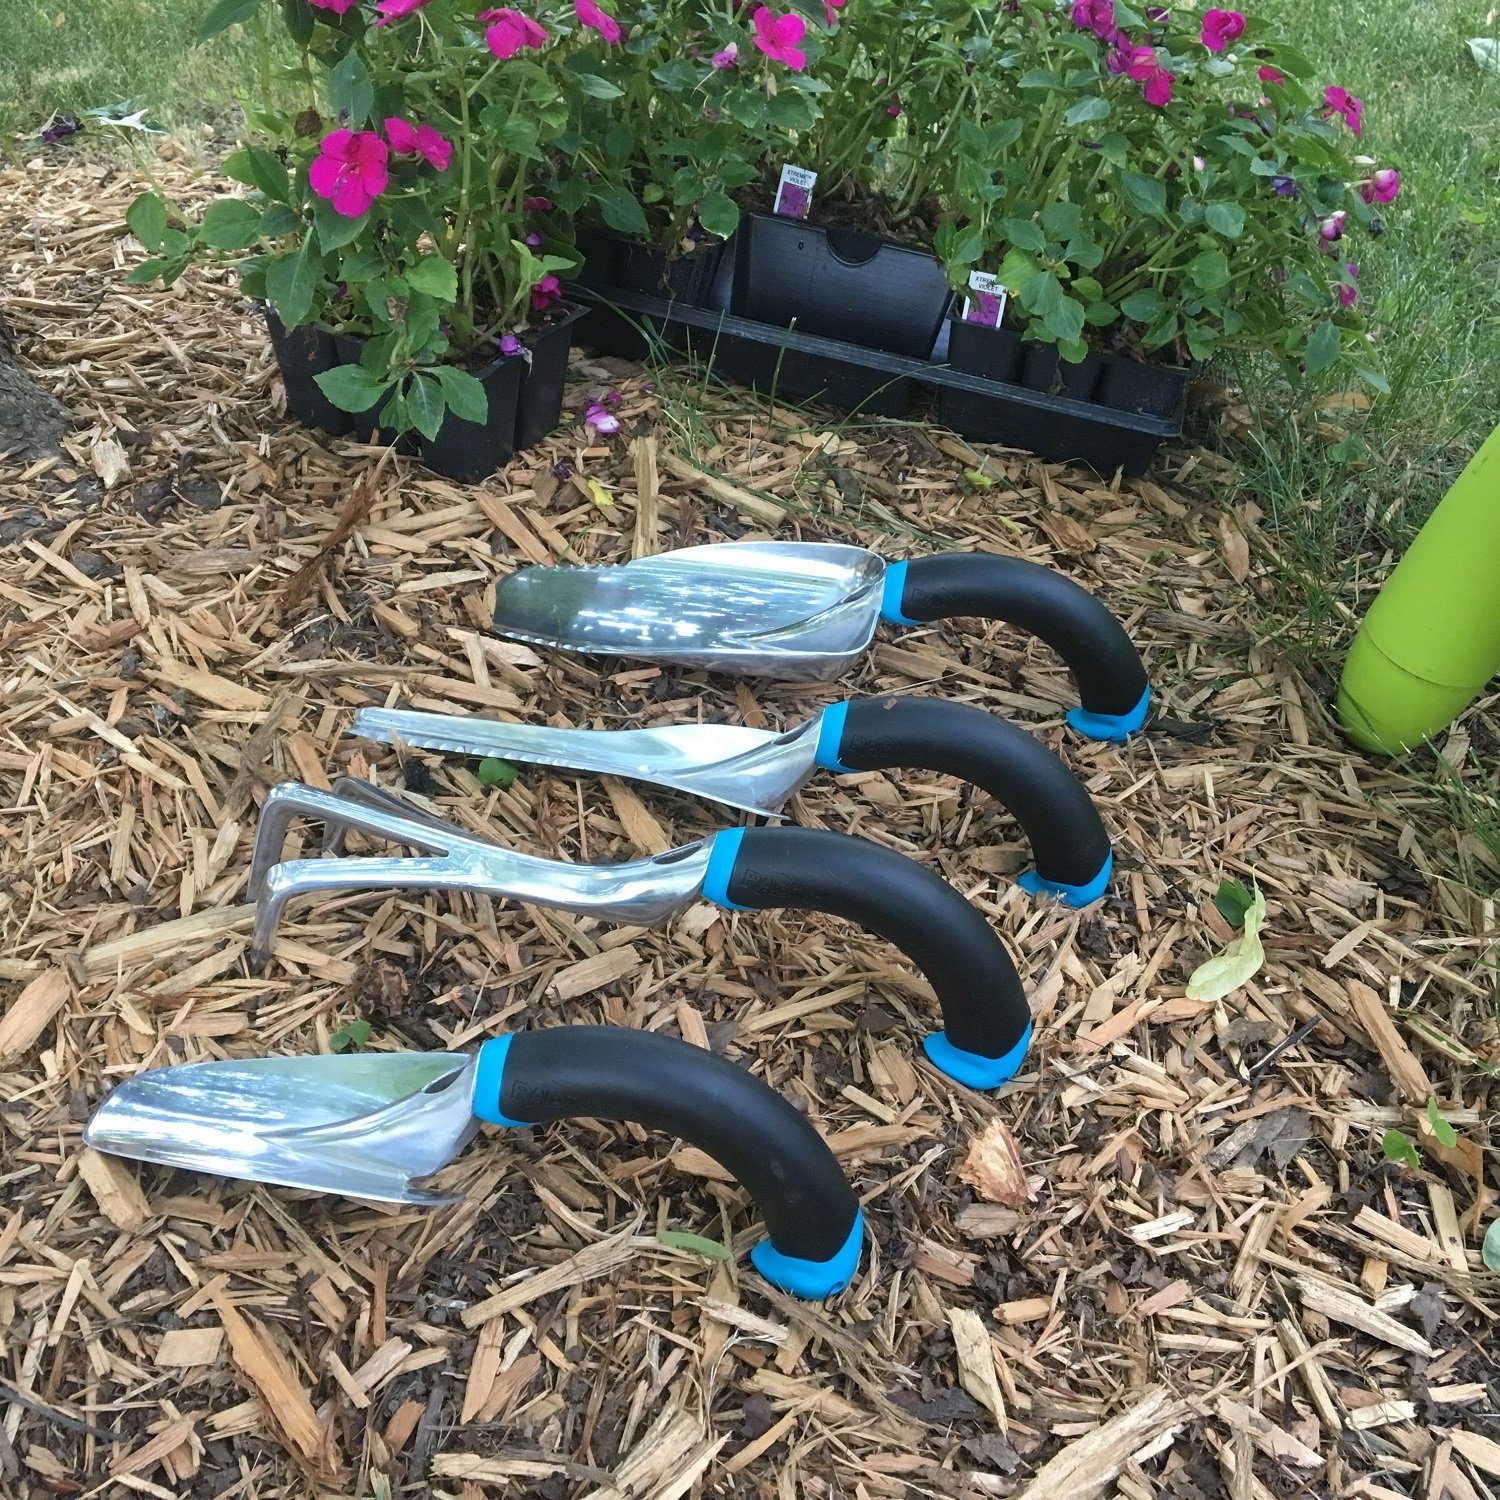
x: 777, y: 36
x: 728, y: 58
x: 537, y: 205
x: 1382, y: 186
x: 395, y: 10
x: 1339, y: 101
x: 893, y: 109
x: 547, y: 291
x: 830, y: 9
x: 1220, y: 28
x: 1097, y: 16
x: 601, y: 21
x: 1138, y: 62
x: 1347, y: 289
x: 418, y: 140
x: 1269, y: 74
x: 1158, y: 89
x: 509, y: 31
x: 338, y: 7
x: 1332, y: 228
x: 350, y: 170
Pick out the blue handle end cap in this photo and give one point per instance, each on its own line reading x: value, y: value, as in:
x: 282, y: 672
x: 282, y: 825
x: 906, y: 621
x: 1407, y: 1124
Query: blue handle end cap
x: 830, y: 735
x: 721, y: 858
x: 1115, y: 728
x: 891, y: 589
x: 489, y: 1079
x: 812, y: 1280
x: 1074, y: 895
x: 971, y: 1068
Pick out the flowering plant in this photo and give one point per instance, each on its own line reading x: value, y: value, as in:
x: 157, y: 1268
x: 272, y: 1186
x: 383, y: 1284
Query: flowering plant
x: 396, y: 205
x: 1171, y: 181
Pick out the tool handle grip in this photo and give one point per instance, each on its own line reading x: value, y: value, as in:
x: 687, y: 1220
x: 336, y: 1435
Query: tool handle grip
x: 1056, y: 813
x: 1111, y: 681
x: 612, y: 1073
x: 985, y: 1016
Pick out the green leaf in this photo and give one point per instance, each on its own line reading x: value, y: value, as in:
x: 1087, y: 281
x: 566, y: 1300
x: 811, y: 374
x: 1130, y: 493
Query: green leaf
x: 425, y: 405
x: 225, y: 14
x: 1017, y: 271
x: 621, y: 210
x: 300, y: 20
x: 1233, y: 899
x: 354, y: 1036
x: 146, y: 272
x: 596, y: 87
x: 464, y: 393
x: 230, y: 224
x: 335, y: 230
x: 719, y: 214
x: 1062, y: 220
x: 790, y: 109
x: 1209, y: 270
x: 351, y: 388
x: 1490, y: 1250
x: 1237, y: 964
x: 1322, y: 348
x: 1398, y: 1147
x: 147, y: 220
x: 494, y: 772
x: 278, y: 220
x: 435, y: 276
x: 1095, y: 107
x: 680, y: 1240
x: 1023, y: 234
x: 290, y: 283
x: 1149, y: 194
x: 1445, y: 1133
x: 258, y: 168
x: 1227, y: 219
x: 1144, y: 306
x: 350, y: 91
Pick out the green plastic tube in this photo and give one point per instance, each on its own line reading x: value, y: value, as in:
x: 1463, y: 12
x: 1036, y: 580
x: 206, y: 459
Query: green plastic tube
x: 1431, y: 640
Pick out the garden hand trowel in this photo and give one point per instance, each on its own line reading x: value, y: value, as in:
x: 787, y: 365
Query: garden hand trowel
x: 805, y: 611
x: 366, y: 1125
x: 758, y: 770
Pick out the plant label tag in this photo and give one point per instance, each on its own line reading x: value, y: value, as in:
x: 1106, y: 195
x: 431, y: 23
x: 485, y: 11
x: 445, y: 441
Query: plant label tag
x: 987, y: 302
x: 794, y: 192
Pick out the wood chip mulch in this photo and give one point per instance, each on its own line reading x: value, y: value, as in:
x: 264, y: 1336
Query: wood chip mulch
x: 1171, y: 1259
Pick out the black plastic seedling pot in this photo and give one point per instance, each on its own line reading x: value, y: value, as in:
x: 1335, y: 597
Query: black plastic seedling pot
x: 839, y: 284
x: 1132, y: 385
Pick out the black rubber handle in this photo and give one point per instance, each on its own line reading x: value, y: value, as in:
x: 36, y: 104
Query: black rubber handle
x: 1104, y: 663
x: 612, y: 1073
x: 983, y: 1004
x: 1054, y: 810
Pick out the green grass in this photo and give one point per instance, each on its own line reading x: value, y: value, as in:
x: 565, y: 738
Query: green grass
x: 68, y: 56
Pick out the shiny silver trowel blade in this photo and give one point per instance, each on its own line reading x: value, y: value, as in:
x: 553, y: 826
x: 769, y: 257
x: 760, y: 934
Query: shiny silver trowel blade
x: 361, y: 1125
x: 755, y: 770
x: 801, y: 611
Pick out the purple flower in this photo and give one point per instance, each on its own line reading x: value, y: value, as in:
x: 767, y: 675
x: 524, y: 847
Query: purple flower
x: 533, y: 239
x: 1220, y: 28
x: 1339, y: 101
x: 1382, y: 186
x: 61, y: 128
x: 547, y: 291
x: 1331, y: 229
x: 1286, y: 187
x: 511, y: 345
x: 727, y: 58
x: 601, y: 419
x: 1347, y: 289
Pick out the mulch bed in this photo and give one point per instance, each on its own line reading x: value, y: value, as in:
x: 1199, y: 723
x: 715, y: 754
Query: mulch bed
x: 1198, y: 1275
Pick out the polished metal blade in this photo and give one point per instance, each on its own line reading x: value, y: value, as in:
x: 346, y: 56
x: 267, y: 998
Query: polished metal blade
x: 361, y: 1125
x: 755, y: 770
x: 800, y: 611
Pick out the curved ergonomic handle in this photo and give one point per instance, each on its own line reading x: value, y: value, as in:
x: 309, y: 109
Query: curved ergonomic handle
x: 1111, y: 680
x: 1054, y: 810
x: 610, y: 1073
x: 986, y: 1022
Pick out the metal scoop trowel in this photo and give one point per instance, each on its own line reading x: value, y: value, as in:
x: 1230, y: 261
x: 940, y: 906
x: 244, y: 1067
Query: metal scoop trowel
x: 758, y: 770
x: 806, y: 611
x: 366, y: 1125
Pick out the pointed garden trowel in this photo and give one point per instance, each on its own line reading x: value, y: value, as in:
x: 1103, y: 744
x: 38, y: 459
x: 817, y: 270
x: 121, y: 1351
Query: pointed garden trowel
x: 806, y: 611
x: 759, y: 770
x: 367, y: 1125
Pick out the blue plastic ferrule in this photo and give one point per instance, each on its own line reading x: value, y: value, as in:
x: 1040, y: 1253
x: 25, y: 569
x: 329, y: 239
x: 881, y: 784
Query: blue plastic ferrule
x: 1114, y: 727
x: 890, y: 595
x: 489, y: 1079
x: 812, y: 1280
x: 830, y: 733
x: 1074, y: 895
x: 972, y: 1068
x: 721, y: 858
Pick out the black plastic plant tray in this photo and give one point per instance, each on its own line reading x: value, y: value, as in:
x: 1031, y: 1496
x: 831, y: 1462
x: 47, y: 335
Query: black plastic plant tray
x: 805, y: 367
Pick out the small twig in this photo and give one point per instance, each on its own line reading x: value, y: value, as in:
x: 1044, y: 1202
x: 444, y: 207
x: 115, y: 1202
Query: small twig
x: 55, y: 1414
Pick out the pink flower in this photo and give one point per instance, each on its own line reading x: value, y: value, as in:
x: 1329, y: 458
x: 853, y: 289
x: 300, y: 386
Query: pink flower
x: 1332, y: 228
x: 338, y: 7
x: 510, y: 31
x: 1097, y: 16
x: 418, y: 140
x: 601, y: 419
x: 1347, y: 289
x: 511, y: 345
x: 537, y: 205
x: 395, y: 10
x: 350, y: 170
x: 1220, y: 28
x: 1382, y: 187
x: 1158, y: 89
x: 1339, y: 101
x: 728, y: 58
x: 829, y: 9
x: 777, y: 36
x: 545, y: 293
x: 1139, y: 62
x: 893, y: 109
x: 601, y: 21
x: 533, y: 239
x: 1269, y: 74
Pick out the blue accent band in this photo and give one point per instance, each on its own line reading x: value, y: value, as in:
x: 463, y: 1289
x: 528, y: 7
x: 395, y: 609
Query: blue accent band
x: 830, y: 732
x: 812, y: 1279
x: 721, y: 858
x: 1115, y: 727
x: 890, y: 595
x: 972, y: 1069
x: 1074, y: 895
x: 489, y: 1077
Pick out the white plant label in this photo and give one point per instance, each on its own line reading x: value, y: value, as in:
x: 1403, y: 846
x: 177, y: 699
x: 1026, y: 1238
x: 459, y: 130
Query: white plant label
x: 987, y: 304
x: 794, y: 192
